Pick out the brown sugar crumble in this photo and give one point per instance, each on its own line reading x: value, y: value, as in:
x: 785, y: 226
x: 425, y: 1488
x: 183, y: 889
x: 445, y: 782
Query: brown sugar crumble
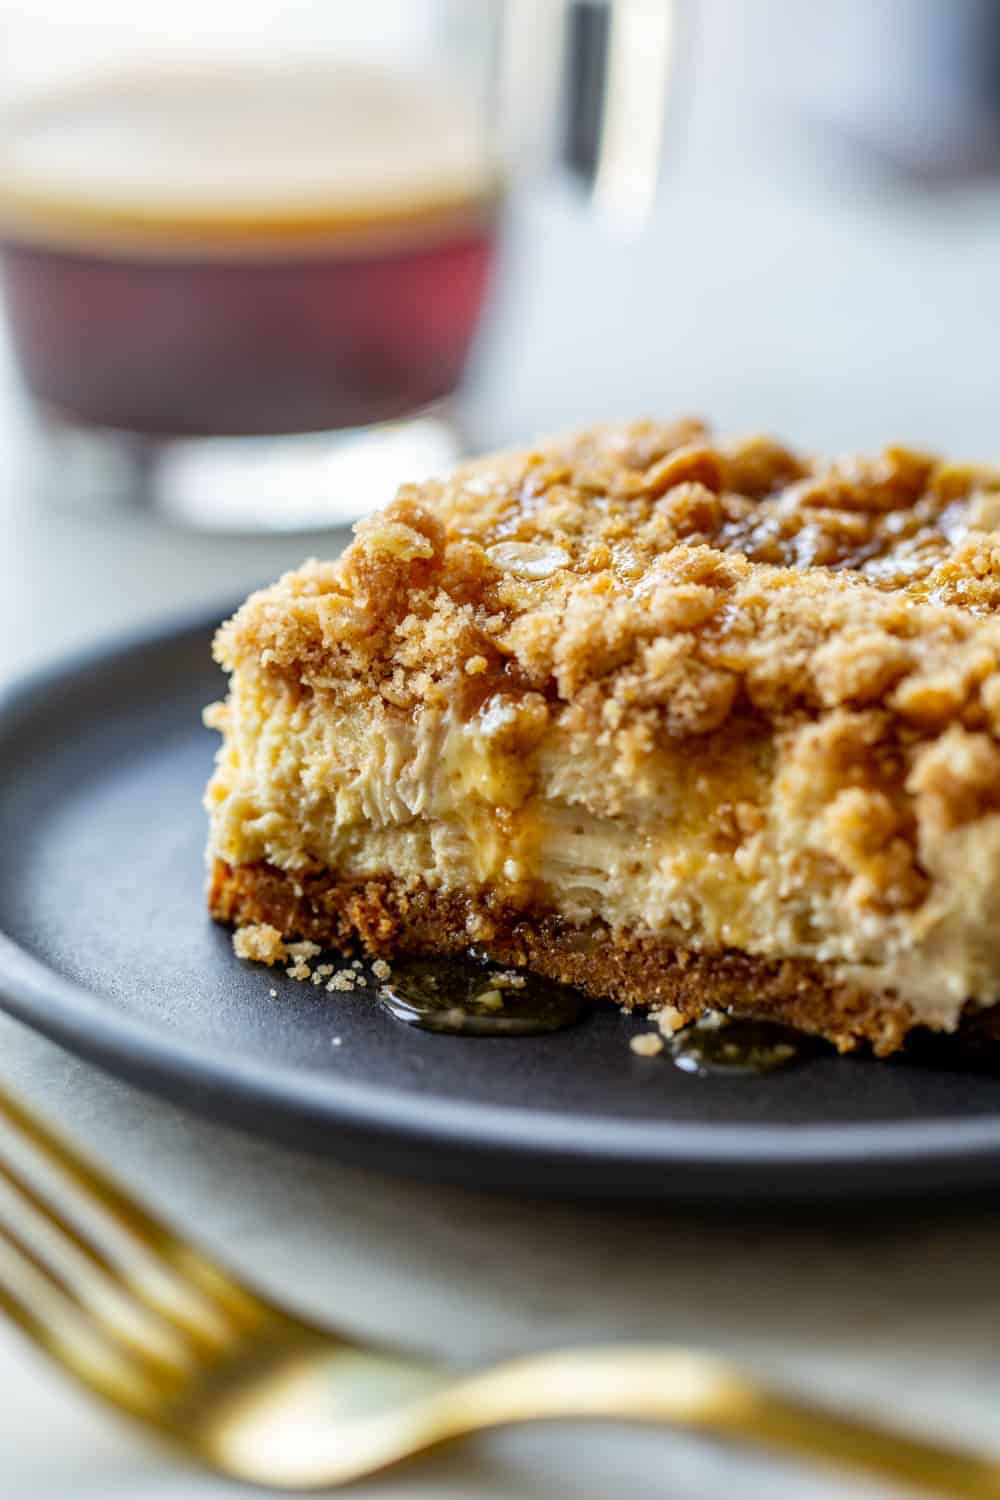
x: 343, y: 980
x: 260, y: 943
x: 647, y: 1044
x: 669, y: 1019
x: 303, y: 951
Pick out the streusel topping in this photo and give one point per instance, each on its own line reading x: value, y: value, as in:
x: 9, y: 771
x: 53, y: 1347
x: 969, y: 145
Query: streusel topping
x: 665, y: 570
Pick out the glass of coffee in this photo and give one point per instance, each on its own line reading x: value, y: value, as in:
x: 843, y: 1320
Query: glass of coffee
x: 245, y: 249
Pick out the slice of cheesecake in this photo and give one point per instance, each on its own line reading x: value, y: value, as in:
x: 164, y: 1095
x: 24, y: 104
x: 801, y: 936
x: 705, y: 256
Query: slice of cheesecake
x: 679, y: 721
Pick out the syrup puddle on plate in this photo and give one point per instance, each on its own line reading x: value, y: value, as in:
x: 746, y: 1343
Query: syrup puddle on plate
x: 470, y: 996
x: 721, y: 1046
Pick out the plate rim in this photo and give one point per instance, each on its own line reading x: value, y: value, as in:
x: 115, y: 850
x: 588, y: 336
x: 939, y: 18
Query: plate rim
x: 84, y: 1022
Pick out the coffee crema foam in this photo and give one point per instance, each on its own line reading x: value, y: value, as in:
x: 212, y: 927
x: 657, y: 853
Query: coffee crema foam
x: 285, y: 156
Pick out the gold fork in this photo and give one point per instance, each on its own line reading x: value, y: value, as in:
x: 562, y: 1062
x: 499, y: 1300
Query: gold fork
x: 168, y: 1336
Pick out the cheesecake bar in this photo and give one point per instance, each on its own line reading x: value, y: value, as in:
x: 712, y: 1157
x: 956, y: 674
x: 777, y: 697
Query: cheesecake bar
x: 684, y: 722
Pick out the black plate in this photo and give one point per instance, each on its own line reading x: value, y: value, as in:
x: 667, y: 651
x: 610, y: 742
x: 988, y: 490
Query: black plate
x: 105, y: 946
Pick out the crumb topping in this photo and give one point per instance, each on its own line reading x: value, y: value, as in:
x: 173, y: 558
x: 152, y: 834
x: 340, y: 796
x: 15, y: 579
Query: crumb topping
x: 658, y: 569
x: 342, y: 981
x: 648, y: 583
x: 261, y: 944
x: 669, y: 1020
x: 647, y: 1044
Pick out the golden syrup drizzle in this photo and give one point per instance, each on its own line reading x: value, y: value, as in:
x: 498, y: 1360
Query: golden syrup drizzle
x: 469, y: 996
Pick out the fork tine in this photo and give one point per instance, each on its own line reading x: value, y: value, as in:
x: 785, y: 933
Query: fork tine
x: 47, y: 1310
x: 41, y: 1267
x: 241, y: 1307
x: 171, y: 1325
x: 108, y: 1310
x: 47, y: 1211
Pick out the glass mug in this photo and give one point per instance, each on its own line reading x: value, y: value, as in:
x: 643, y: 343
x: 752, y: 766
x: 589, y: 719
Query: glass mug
x: 245, y: 248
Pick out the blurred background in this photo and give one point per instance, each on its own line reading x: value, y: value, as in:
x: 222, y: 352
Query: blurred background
x: 820, y: 258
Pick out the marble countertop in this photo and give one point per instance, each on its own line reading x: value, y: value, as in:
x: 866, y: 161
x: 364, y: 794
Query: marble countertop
x: 840, y: 311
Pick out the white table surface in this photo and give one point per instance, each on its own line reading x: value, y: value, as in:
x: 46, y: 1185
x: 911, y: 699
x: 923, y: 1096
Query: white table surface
x: 840, y: 311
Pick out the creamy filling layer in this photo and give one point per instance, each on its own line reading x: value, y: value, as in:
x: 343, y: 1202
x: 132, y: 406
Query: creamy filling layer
x: 701, y: 845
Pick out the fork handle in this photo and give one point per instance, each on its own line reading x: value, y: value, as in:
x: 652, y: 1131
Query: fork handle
x: 707, y: 1394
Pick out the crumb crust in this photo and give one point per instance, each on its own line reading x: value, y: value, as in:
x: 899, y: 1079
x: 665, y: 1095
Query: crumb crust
x: 385, y: 919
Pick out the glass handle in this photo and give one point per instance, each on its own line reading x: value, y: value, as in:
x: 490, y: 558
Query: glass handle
x: 587, y: 80
x: 640, y: 51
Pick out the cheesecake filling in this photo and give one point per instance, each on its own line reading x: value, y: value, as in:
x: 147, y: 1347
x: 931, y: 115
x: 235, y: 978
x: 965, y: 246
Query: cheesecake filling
x: 708, y: 844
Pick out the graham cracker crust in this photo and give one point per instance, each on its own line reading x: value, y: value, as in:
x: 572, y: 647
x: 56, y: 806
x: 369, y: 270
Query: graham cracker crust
x: 385, y: 917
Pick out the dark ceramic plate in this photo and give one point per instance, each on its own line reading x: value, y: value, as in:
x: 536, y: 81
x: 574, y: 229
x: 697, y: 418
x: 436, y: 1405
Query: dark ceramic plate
x: 105, y: 946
